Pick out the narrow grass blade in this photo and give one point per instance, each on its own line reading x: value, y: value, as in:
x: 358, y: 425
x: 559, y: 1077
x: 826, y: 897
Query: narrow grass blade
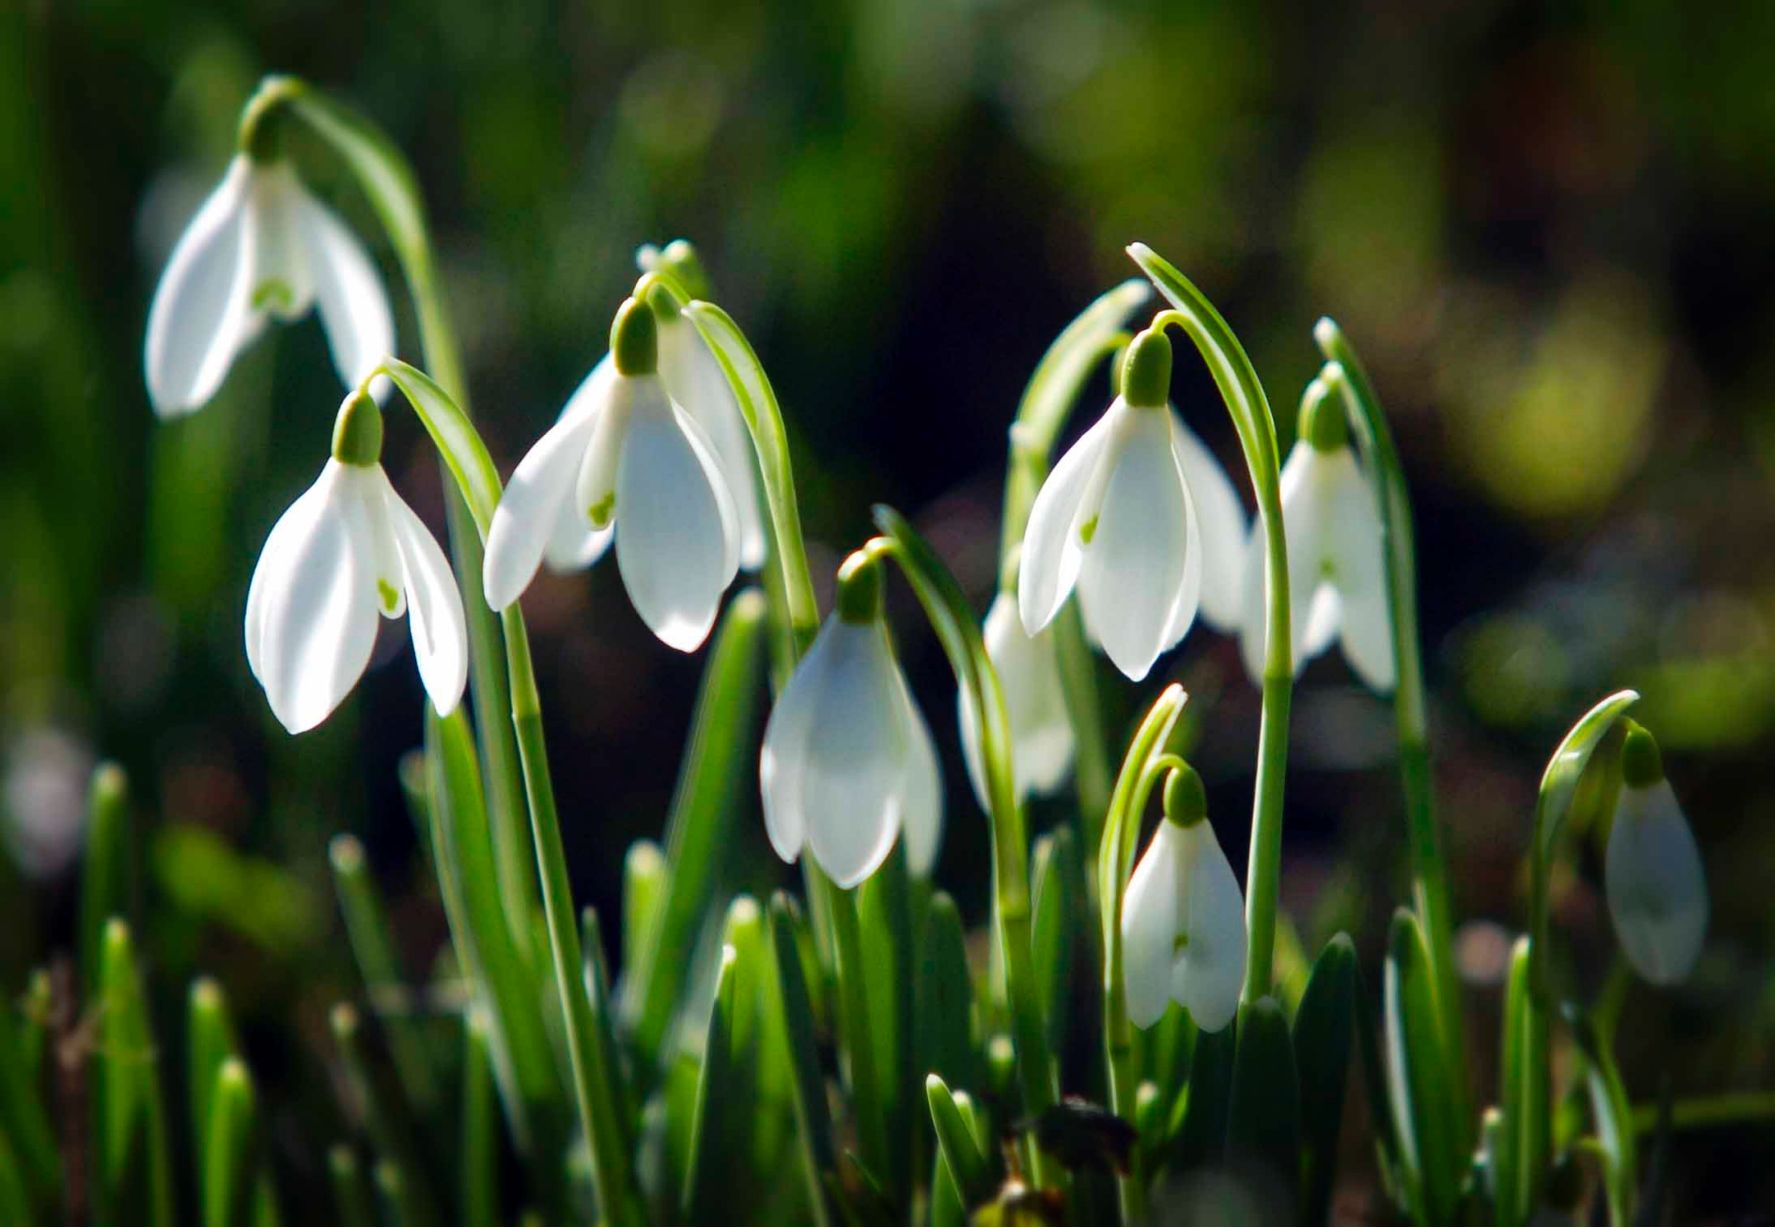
x: 644, y: 878
x: 1324, y: 1025
x: 134, y: 1164
x: 351, y: 1191
x: 1057, y: 922
x: 388, y: 1117
x: 722, y: 1104
x: 209, y: 1044
x: 1417, y: 1074
x: 24, y: 1120
x: 885, y: 912
x: 961, y: 1152
x: 710, y: 784
x: 1613, y: 1114
x: 105, y: 873
x: 372, y: 942
x: 948, y: 1035
x: 228, y: 1150
x: 812, y: 1119
x: 479, y: 1159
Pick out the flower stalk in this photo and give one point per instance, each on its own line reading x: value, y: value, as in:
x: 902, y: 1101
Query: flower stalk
x: 1239, y: 386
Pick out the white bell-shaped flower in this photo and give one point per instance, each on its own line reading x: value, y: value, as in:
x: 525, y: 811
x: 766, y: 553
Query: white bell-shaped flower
x: 350, y: 549
x: 624, y: 456
x: 848, y: 761
x: 1337, y: 578
x: 1118, y: 519
x: 1652, y: 872
x: 1183, y: 918
x: 261, y: 247
x: 1029, y: 672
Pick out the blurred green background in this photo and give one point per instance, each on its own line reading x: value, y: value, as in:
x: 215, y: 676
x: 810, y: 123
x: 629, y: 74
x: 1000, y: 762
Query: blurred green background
x: 1545, y: 226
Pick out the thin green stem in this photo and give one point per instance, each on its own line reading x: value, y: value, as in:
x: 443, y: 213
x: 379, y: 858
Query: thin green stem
x: 867, y: 1101
x: 1256, y: 427
x: 593, y: 1082
x: 1345, y: 374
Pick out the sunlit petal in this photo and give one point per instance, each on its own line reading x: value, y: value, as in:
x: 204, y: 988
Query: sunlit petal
x: 434, y: 606
x: 677, y: 541
x: 1220, y: 520
x: 1041, y: 732
x: 348, y: 293
x: 1210, y: 968
x: 1358, y: 567
x: 921, y: 817
x: 530, y: 512
x: 1150, y: 927
x: 1052, y: 551
x: 695, y: 381
x: 199, y: 317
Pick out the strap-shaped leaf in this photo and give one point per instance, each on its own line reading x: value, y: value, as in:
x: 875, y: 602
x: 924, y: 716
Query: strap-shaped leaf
x: 884, y: 906
x: 710, y: 785
x: 1613, y: 1114
x: 1058, y: 916
x: 134, y: 1161
x: 1263, y: 1113
x: 956, y: 1142
x: 227, y: 1157
x: 104, y: 873
x: 1417, y: 1077
x: 1324, y: 1024
x: 812, y: 1119
x: 948, y: 1043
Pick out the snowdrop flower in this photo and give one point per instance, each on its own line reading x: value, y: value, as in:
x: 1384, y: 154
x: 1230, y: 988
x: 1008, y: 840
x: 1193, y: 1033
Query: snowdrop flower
x: 1119, y: 518
x: 1337, y: 580
x: 261, y: 247
x: 348, y: 550
x: 625, y: 454
x: 1041, y: 733
x: 848, y: 761
x: 1652, y: 870
x: 1183, y: 918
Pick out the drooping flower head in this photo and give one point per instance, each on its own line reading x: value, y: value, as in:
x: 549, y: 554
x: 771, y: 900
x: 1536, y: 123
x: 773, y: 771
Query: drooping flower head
x: 626, y: 460
x: 260, y: 248
x: 1041, y: 732
x: 1119, y: 519
x: 1652, y: 872
x: 1337, y: 580
x: 848, y: 761
x: 1183, y: 917
x: 347, y: 552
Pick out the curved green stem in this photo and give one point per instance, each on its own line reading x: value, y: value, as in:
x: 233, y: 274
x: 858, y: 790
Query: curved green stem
x: 947, y: 611
x: 388, y: 182
x: 1256, y: 428
x: 1345, y: 375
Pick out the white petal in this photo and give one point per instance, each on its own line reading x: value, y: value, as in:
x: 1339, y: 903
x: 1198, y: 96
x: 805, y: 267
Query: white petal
x: 280, y: 277
x: 833, y: 770
x: 1041, y: 732
x: 1220, y: 518
x: 199, y: 317
x: 317, y: 602
x: 1132, y: 582
x: 528, y: 518
x: 348, y: 293
x: 1656, y: 889
x: 574, y: 545
x: 921, y: 816
x: 1052, y: 552
x: 1150, y: 927
x: 677, y: 543
x: 1313, y: 606
x: 695, y: 381
x: 1210, y: 969
x: 434, y: 606
x: 1358, y: 567
x: 295, y: 525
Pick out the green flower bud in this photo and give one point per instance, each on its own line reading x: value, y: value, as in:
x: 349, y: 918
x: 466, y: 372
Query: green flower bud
x: 1186, y: 802
x: 357, y: 431
x: 634, y: 339
x: 859, y: 597
x: 1322, y: 420
x: 1641, y: 763
x: 1146, y: 371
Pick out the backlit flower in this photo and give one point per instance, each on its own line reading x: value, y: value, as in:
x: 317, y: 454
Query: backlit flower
x: 1652, y: 872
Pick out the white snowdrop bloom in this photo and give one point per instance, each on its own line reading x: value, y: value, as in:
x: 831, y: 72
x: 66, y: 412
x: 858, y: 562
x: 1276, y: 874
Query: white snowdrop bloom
x: 1183, y: 918
x: 1652, y: 873
x: 1117, y: 518
x: 624, y: 457
x: 261, y: 247
x: 350, y: 549
x: 1337, y: 578
x: 848, y: 761
x: 1029, y: 671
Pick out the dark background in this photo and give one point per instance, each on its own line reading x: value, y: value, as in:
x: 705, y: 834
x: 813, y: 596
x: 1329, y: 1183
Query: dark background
x: 1547, y: 228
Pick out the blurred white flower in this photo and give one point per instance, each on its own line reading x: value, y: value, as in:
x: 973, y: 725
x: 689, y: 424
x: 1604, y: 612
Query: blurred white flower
x: 347, y: 550
x: 1652, y: 872
x: 1118, y: 518
x: 1337, y: 579
x: 1183, y: 918
x: 1041, y: 733
x: 848, y: 761
x: 47, y: 773
x: 624, y: 453
x: 261, y: 247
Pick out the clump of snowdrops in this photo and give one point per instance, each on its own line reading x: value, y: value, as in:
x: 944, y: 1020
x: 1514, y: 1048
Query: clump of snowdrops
x: 850, y: 1059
